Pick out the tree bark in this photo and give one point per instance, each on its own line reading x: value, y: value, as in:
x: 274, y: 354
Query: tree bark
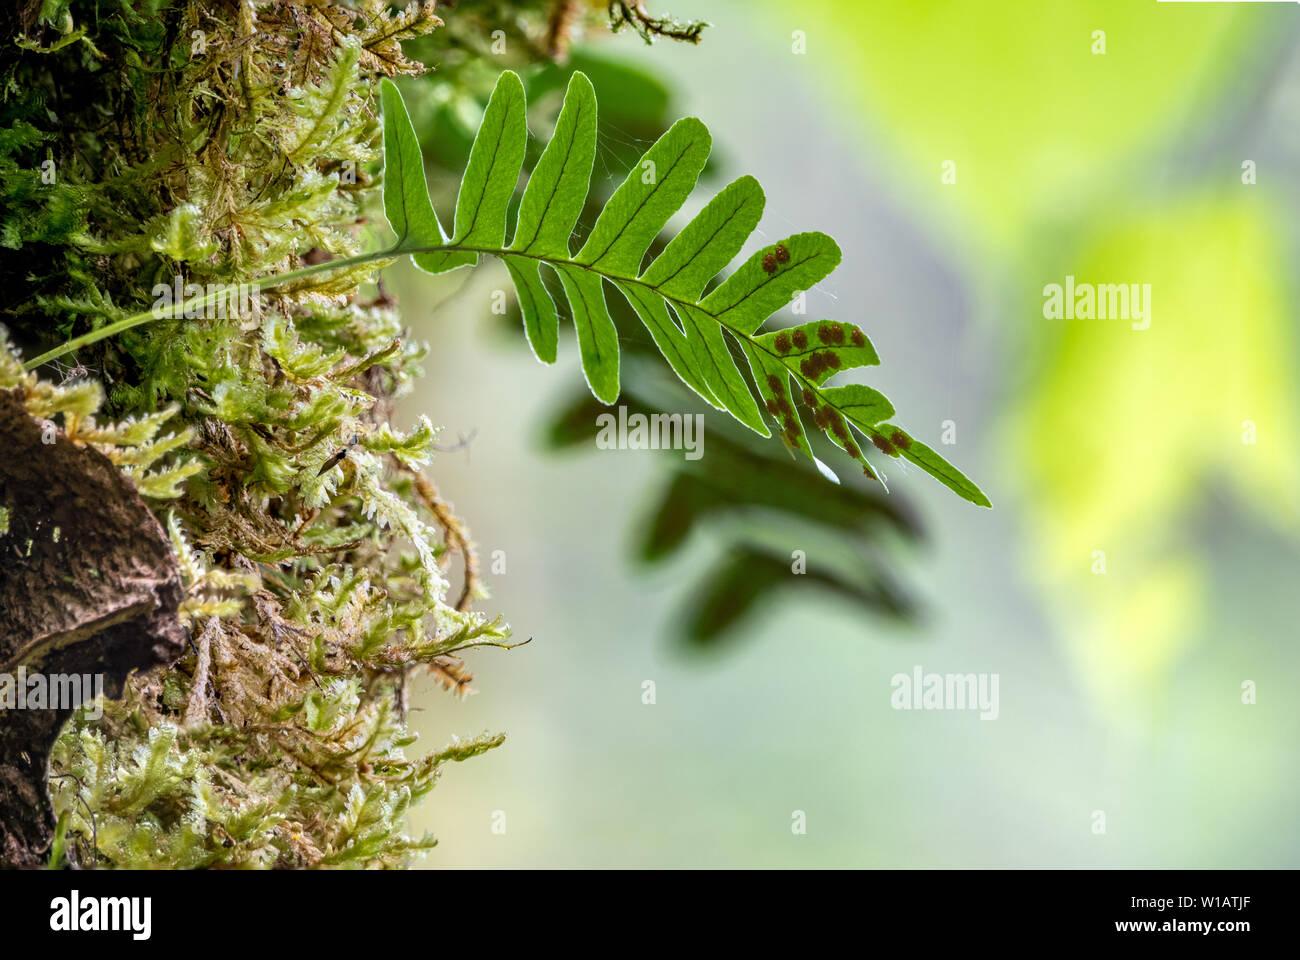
x: 88, y: 585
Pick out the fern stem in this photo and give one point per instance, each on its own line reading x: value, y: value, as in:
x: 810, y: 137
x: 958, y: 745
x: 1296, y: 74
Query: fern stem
x: 177, y: 311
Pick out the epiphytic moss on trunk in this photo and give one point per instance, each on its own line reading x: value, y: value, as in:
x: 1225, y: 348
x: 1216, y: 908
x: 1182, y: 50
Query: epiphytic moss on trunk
x: 174, y: 145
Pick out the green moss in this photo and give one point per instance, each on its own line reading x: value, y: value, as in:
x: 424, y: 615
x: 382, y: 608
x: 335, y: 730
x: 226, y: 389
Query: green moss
x: 146, y: 145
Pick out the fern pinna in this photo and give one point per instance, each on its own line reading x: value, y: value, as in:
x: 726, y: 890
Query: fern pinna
x: 656, y: 188
x: 789, y: 366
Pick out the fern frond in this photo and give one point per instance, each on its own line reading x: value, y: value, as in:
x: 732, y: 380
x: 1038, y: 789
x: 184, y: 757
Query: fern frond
x: 691, y: 329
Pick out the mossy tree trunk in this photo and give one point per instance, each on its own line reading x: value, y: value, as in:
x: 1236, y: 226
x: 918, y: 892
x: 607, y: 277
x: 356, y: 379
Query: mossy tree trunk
x: 182, y: 143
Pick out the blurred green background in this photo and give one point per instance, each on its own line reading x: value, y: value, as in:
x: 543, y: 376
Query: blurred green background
x: 1119, y: 691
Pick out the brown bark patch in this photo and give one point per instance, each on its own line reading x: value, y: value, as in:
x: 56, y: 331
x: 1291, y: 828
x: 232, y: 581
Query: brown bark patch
x: 88, y: 585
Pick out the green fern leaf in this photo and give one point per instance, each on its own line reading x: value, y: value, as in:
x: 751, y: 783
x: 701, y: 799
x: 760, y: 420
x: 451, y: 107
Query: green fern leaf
x: 555, y: 193
x: 694, y: 334
x: 406, y: 197
x: 493, y: 170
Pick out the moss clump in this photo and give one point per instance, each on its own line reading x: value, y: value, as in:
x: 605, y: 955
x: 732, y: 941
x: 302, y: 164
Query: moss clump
x: 157, y: 146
